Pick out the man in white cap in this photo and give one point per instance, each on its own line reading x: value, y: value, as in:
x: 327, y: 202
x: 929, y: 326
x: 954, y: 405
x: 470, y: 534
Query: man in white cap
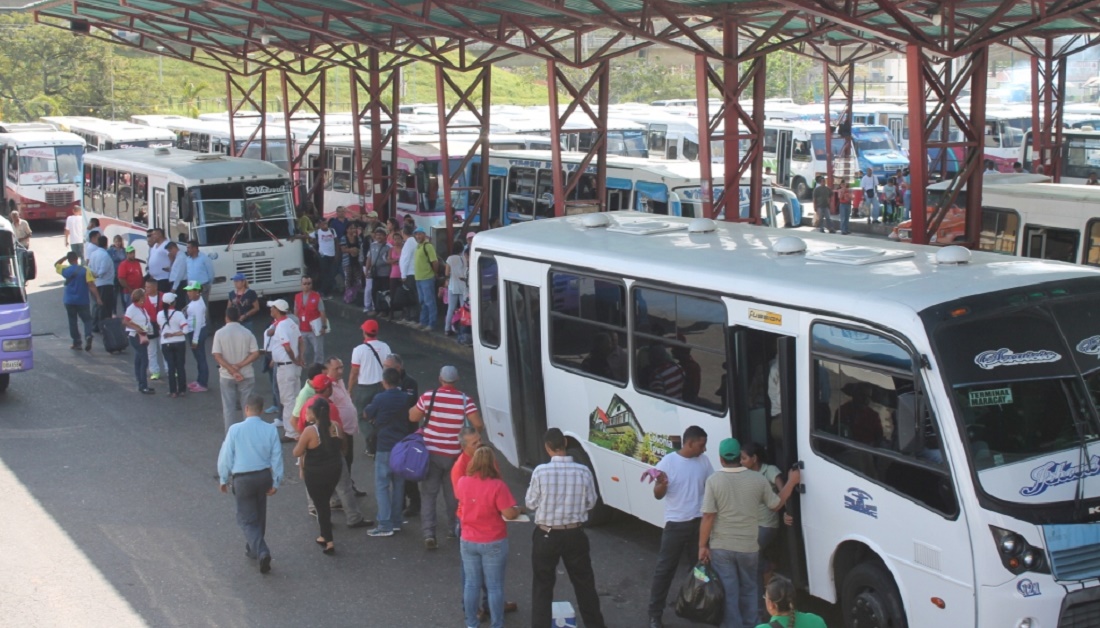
x: 286, y: 355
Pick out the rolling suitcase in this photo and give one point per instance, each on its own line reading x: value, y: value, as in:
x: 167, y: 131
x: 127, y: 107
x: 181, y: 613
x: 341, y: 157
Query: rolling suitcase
x: 115, y: 338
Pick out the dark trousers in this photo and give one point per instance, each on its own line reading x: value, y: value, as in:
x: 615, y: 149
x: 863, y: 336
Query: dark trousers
x: 141, y: 361
x: 330, y: 265
x: 202, y: 368
x: 250, y: 490
x: 412, y: 496
x: 677, y: 539
x: 81, y: 311
x: 570, y: 547
x: 164, y: 285
x: 320, y: 484
x: 175, y: 355
x: 107, y: 310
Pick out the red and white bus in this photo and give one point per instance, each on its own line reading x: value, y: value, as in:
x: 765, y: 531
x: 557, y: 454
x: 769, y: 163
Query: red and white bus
x: 42, y: 173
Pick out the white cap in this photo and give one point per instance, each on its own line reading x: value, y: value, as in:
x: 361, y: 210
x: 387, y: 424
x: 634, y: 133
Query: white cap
x: 279, y: 304
x: 168, y: 297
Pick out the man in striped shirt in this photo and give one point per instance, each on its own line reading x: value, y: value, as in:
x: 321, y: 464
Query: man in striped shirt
x: 446, y: 409
x: 562, y: 492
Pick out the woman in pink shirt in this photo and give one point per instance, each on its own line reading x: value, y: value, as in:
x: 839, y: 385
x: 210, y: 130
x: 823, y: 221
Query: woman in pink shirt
x: 484, y: 499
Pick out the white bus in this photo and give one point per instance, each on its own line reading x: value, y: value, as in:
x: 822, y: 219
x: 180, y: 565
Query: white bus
x: 42, y: 173
x: 110, y: 135
x: 949, y: 462
x: 1080, y: 154
x: 239, y: 210
x: 212, y: 136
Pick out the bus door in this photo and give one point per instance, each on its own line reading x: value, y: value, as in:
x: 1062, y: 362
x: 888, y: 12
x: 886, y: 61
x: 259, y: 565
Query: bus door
x: 896, y: 125
x: 783, y: 155
x: 160, y: 209
x: 522, y: 312
x: 496, y: 199
x: 1050, y: 243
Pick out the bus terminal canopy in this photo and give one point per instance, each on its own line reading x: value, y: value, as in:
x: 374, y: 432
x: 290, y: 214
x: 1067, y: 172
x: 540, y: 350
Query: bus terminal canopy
x: 468, y: 34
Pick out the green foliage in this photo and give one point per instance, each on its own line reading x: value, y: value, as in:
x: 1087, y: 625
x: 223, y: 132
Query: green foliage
x: 626, y: 442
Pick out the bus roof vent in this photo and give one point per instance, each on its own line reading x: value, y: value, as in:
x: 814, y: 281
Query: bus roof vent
x: 645, y: 226
x: 209, y: 157
x: 161, y: 151
x: 702, y: 225
x: 595, y: 220
x: 953, y: 255
x: 789, y: 245
x: 858, y: 255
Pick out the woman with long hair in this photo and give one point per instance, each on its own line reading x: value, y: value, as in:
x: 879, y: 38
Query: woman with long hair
x: 484, y: 498
x: 779, y: 599
x: 319, y: 451
x: 752, y: 458
x: 139, y: 326
x: 173, y: 342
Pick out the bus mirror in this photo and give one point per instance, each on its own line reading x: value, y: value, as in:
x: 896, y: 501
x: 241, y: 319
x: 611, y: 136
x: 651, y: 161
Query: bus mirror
x: 30, y: 267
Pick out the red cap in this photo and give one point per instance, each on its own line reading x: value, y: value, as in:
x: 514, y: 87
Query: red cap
x: 370, y: 327
x: 320, y: 382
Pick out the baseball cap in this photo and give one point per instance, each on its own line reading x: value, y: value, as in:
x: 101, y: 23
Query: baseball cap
x: 168, y: 297
x: 194, y: 285
x: 320, y: 382
x: 279, y: 304
x: 372, y: 214
x: 729, y: 449
x: 419, y: 230
x: 238, y: 277
x: 448, y: 374
x: 370, y: 327
x: 129, y: 249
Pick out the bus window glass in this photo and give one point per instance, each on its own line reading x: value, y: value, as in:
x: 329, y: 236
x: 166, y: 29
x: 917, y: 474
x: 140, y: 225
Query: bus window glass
x: 771, y: 140
x: 221, y: 216
x: 521, y: 190
x: 488, y: 302
x: 588, y: 325
x: 1082, y: 157
x: 13, y: 165
x: 1051, y: 243
x: 1092, y: 245
x: 658, y: 137
x: 873, y: 140
x: 691, y: 150
x: 125, y: 196
x: 801, y: 151
x: 999, y: 230
x: 867, y: 416
x: 141, y: 199
x: 406, y: 187
x: 680, y: 347
x: 11, y: 290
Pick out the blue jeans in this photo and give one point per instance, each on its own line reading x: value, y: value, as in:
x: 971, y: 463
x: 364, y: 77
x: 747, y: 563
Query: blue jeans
x: 141, y: 361
x: 389, y: 491
x: 845, y: 217
x: 198, y: 350
x: 85, y: 314
x: 484, y: 563
x: 737, y: 571
x: 425, y: 290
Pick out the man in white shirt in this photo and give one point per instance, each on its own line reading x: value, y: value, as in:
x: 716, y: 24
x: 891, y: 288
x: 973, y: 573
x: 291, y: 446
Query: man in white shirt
x: 159, y: 264
x: 200, y: 330
x: 869, y: 185
x: 286, y: 356
x: 74, y: 232
x: 365, y: 377
x: 408, y: 274
x: 681, y: 478
x: 326, y: 247
x: 235, y: 350
x: 990, y: 168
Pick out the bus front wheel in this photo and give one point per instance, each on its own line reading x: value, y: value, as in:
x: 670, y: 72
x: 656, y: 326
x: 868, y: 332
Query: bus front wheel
x: 801, y: 189
x: 5, y: 379
x: 870, y: 599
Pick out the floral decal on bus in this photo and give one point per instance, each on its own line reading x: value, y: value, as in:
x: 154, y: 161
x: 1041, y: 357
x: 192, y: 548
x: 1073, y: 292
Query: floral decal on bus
x: 618, y: 429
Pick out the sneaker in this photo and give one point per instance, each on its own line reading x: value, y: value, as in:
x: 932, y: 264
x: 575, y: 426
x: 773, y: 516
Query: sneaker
x: 336, y: 506
x: 452, y: 535
x: 76, y: 346
x: 429, y: 543
x: 154, y: 376
x: 379, y: 532
x: 198, y: 388
x: 362, y: 523
x: 312, y: 512
x: 272, y: 410
x: 147, y: 391
x: 87, y: 343
x: 277, y: 422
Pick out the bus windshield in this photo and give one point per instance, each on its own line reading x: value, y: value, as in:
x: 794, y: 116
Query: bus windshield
x: 44, y: 165
x: 242, y: 212
x: 11, y: 284
x: 818, y: 141
x: 873, y: 140
x: 1027, y: 403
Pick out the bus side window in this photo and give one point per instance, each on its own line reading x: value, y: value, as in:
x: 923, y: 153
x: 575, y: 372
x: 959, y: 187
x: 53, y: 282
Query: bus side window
x: 110, y: 193
x: 1092, y: 243
x: 588, y: 325
x: 141, y: 199
x: 125, y: 196
x: 13, y: 165
x: 771, y: 140
x: 869, y: 417
x: 1000, y: 229
x: 801, y: 151
x: 691, y: 150
x: 488, y: 302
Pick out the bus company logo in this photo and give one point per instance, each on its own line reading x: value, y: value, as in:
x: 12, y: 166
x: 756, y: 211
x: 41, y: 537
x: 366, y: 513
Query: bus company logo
x: 248, y: 254
x: 859, y: 501
x: 1028, y: 588
x: 764, y: 316
x: 1051, y: 474
x: 1090, y: 346
x: 989, y: 360
x: 257, y: 190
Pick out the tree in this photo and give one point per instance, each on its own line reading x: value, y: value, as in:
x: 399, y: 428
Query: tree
x: 189, y: 97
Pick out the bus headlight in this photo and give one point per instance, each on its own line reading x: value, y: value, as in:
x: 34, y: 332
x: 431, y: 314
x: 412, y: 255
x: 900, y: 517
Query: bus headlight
x: 12, y: 346
x: 1017, y: 555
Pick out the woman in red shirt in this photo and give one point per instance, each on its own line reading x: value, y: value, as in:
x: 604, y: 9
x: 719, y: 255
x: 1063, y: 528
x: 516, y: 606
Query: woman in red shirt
x: 484, y: 499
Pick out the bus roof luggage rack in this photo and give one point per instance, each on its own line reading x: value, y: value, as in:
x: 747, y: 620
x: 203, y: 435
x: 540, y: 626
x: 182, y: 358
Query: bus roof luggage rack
x: 858, y: 255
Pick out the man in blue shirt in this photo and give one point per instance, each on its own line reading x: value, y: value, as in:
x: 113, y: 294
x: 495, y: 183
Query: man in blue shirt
x: 339, y: 224
x: 79, y: 288
x: 200, y: 269
x: 103, y: 268
x: 252, y: 457
x: 389, y: 413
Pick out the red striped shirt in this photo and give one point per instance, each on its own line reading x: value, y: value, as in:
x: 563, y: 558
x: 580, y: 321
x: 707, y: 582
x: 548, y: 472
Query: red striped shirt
x: 449, y: 411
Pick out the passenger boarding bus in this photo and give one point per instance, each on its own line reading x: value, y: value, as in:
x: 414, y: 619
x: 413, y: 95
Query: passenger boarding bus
x: 1080, y: 154
x: 42, y: 173
x: 239, y: 210
x: 949, y: 461
x: 109, y: 135
x: 16, y: 269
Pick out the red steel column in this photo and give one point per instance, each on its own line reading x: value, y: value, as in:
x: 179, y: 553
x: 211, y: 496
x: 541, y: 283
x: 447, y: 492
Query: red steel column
x: 827, y: 92
x: 918, y: 169
x: 756, y: 168
x: 979, y: 79
x: 444, y: 154
x: 309, y: 96
x: 555, y: 139
x: 1036, y: 117
x: 706, y: 191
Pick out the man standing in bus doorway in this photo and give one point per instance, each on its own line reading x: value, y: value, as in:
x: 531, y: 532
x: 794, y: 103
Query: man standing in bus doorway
x: 425, y: 269
x: 79, y: 288
x: 869, y: 185
x: 562, y: 492
x: 74, y: 232
x: 729, y: 533
x: 286, y: 356
x: 821, y: 198
x: 310, y: 310
x: 160, y: 262
x: 682, y: 476
x: 200, y: 269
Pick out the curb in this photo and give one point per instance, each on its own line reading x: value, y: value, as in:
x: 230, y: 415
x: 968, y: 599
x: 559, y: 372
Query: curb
x: 336, y: 308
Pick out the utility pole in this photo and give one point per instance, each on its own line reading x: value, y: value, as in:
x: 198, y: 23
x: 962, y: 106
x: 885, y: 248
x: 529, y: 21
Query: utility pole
x: 160, y: 65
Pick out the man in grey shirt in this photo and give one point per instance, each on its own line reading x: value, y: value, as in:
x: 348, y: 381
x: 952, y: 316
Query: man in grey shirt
x: 235, y: 350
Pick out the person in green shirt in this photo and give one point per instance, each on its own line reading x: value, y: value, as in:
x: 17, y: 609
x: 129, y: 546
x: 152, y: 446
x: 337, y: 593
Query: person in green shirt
x: 779, y: 600
x: 425, y: 268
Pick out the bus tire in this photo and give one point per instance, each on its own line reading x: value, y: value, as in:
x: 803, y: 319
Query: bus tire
x: 800, y: 188
x: 870, y: 598
x: 5, y: 379
x: 602, y: 514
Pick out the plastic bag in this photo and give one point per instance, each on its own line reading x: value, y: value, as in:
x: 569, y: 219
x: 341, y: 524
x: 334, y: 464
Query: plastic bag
x: 702, y: 598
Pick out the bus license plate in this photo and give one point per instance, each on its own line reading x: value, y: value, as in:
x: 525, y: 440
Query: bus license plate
x: 11, y: 365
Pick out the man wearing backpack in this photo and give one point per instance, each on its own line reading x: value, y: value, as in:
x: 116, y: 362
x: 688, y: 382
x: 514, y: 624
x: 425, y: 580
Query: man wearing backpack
x: 389, y: 412
x: 365, y: 378
x: 446, y: 409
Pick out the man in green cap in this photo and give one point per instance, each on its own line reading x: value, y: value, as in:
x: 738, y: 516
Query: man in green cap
x: 200, y: 329
x: 130, y: 275
x: 728, y: 533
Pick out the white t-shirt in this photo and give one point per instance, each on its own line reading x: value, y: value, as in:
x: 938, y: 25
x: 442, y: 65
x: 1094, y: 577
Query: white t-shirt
x: 75, y: 226
x: 687, y: 477
x: 457, y: 282
x: 408, y: 254
x: 326, y: 242
x: 868, y: 182
x: 196, y: 315
x: 286, y: 332
x: 370, y: 370
x: 173, y: 322
x: 159, y: 263
x: 136, y: 315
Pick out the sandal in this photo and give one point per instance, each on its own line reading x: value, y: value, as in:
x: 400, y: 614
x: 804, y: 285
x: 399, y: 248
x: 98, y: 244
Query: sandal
x: 320, y: 542
x: 329, y: 550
